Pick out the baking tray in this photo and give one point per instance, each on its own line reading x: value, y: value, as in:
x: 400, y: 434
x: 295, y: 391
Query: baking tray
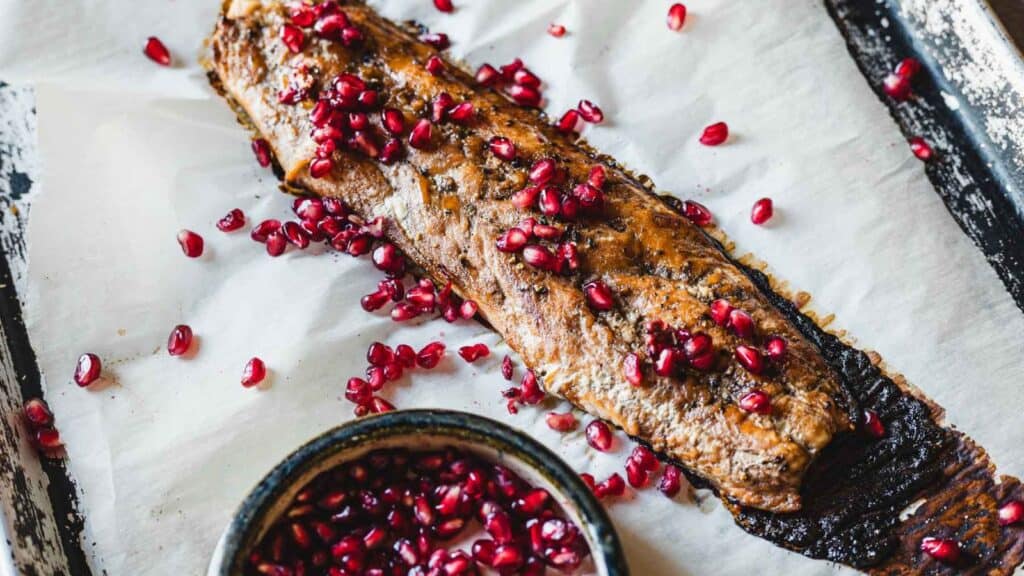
x: 969, y: 103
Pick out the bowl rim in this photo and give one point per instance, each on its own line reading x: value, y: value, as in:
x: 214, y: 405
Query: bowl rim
x: 473, y: 428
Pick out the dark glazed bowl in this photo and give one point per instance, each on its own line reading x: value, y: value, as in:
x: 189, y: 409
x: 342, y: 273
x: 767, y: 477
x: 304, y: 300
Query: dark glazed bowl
x: 419, y: 429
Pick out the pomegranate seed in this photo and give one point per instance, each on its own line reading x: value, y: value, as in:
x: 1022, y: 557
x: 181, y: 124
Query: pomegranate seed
x: 614, y: 485
x: 276, y: 244
x: 762, y: 211
x: 715, y: 134
x: 545, y: 232
x: 379, y: 354
x: 942, y: 549
x: 503, y: 148
x: 697, y: 213
x: 556, y: 30
x: 908, y: 68
x: 676, y: 17
x: 775, y: 348
x: 87, y: 370
x: 320, y: 167
x: 444, y: 5
x: 527, y: 225
x: 293, y: 38
x: 524, y: 95
x: 756, y: 402
x: 524, y: 77
x: 549, y: 201
x: 254, y: 372
x: 294, y: 233
x: 750, y: 359
x: 873, y: 425
x: 404, y: 311
x: 508, y: 71
x: 543, y: 171
x: 526, y: 197
x: 670, y: 483
x: 462, y: 113
x: 391, y: 152
x: 350, y: 36
x: 561, y: 422
x: 191, y: 243
x: 506, y: 368
x: 301, y: 15
x: 896, y: 87
x: 645, y: 458
x: 569, y: 122
x: 468, y: 309
x: 264, y: 229
x: 532, y: 392
x: 487, y: 75
x: 539, y: 257
x: 599, y: 436
x: 435, y: 65
x: 512, y: 240
x: 419, y: 138
x: 720, y: 311
x: 474, y: 352
x: 48, y: 439
x: 588, y: 479
x: 741, y: 323
x: 261, y: 149
x: 593, y: 114
x: 697, y: 345
x: 483, y: 551
x: 632, y: 370
x: 597, y: 175
x: 665, y: 365
x: 921, y: 149
x: 231, y: 221
x: 180, y: 340
x: 157, y: 52
x: 388, y: 259
x: 38, y: 413
x: 358, y: 391
x: 599, y: 295
x: 1011, y: 513
x: 430, y: 355
x: 438, y: 40
x: 393, y: 121
x: 440, y: 106
x: 379, y: 405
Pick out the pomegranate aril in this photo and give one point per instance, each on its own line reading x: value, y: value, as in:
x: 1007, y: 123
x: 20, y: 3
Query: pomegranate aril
x: 48, y: 439
x: 632, y: 370
x: 254, y: 372
x: 526, y: 197
x: 556, y: 30
x: 599, y: 436
x: 487, y: 75
x: 391, y: 151
x: 419, y: 138
x: 873, y: 425
x: 393, y: 121
x: 549, y: 201
x: 750, y: 359
x: 301, y: 15
x: 676, y: 17
x: 87, y: 370
x: 545, y: 232
x: 614, y: 485
x: 741, y: 323
x: 715, y: 134
x: 1011, y: 513
x: 508, y: 71
x: 502, y: 148
x: 942, y: 549
x: 156, y: 51
x: 665, y: 363
x: 597, y: 176
x: 462, y: 113
x: 524, y: 77
x: 435, y: 65
x: 440, y: 106
x: 444, y: 5
x: 379, y: 405
x: 524, y: 95
x: 756, y: 402
x: 762, y: 211
x: 921, y: 149
x: 191, y: 243
x: 697, y: 213
x: 261, y: 149
x: 539, y: 257
x: 561, y: 422
x: 438, y: 40
x: 643, y: 456
x: 231, y: 221
x: 320, y: 167
x: 276, y: 244
x: 506, y: 368
x: 532, y: 393
x: 474, y: 352
x: 775, y: 348
x: 294, y: 233
x: 37, y: 413
x: 591, y: 113
x: 599, y: 295
x: 907, y: 68
x: 670, y: 482
x: 430, y: 355
x: 293, y: 38
x: 483, y: 551
x: 350, y: 36
x: 569, y: 123
x: 543, y: 171
x: 720, y: 311
x: 388, y: 259
x: 180, y: 340
x: 329, y: 26
x: 896, y: 87
x: 309, y: 209
x: 507, y: 557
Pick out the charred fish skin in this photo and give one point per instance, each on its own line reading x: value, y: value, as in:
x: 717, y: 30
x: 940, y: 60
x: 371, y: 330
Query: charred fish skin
x: 446, y: 203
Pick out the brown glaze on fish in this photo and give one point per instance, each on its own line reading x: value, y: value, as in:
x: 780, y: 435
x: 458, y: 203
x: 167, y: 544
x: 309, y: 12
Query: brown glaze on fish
x: 447, y: 204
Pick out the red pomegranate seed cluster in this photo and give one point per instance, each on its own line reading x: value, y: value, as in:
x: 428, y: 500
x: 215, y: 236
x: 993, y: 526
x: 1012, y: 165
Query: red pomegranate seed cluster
x: 670, y: 351
x: 515, y: 79
x: 529, y: 391
x: 474, y: 352
x: 40, y: 422
x: 392, y: 511
x: 388, y: 365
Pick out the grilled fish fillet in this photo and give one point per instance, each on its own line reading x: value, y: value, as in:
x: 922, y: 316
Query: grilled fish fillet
x: 446, y: 205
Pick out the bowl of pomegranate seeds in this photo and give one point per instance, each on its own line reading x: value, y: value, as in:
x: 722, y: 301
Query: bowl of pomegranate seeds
x: 420, y: 492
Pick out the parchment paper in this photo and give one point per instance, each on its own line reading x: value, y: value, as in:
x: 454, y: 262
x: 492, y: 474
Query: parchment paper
x: 133, y: 152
